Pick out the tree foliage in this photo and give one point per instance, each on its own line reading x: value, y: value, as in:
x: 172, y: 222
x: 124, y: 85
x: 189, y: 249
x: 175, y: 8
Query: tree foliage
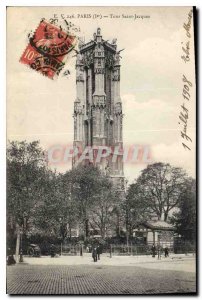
x: 135, y: 207
x: 48, y: 203
x: 45, y: 202
x: 185, y: 218
x: 103, y: 211
x: 26, y: 165
x: 158, y: 189
x: 94, y: 196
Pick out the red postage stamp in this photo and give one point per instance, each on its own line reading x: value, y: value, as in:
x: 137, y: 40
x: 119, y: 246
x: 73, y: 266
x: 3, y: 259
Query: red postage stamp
x: 47, y: 49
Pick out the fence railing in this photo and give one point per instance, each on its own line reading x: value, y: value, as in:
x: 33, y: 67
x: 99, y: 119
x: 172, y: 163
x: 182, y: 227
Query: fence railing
x: 70, y: 249
x: 184, y: 248
x: 131, y: 249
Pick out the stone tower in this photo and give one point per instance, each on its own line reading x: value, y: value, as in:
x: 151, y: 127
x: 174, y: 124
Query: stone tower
x: 98, y: 108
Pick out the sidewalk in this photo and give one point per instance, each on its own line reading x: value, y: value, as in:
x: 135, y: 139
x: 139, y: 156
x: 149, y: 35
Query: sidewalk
x: 179, y: 262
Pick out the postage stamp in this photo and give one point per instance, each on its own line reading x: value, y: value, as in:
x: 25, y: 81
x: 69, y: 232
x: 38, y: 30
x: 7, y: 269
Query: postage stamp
x: 48, y: 49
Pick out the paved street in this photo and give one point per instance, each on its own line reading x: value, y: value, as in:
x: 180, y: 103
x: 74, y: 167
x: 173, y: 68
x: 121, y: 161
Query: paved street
x: 116, y: 275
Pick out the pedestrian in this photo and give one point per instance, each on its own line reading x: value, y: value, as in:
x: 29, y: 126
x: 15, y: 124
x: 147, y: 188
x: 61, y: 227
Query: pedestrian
x: 94, y: 254
x: 98, y: 251
x: 52, y: 250
x: 87, y: 249
x: 166, y: 252
x: 153, y: 250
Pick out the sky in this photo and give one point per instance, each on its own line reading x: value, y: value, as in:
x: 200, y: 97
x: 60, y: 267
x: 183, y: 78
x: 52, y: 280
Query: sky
x: 151, y: 81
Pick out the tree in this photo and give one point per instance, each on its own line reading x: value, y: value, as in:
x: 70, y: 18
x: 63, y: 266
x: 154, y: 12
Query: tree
x: 158, y: 189
x: 26, y: 164
x: 135, y: 207
x: 102, y: 212
x: 85, y: 182
x: 83, y: 195
x: 46, y: 216
x: 185, y: 218
x: 68, y: 210
x: 94, y: 196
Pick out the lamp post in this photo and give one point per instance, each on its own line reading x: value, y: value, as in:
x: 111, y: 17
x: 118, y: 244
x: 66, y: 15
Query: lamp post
x: 61, y: 233
x: 159, y: 246
x: 110, y: 251
x: 127, y: 218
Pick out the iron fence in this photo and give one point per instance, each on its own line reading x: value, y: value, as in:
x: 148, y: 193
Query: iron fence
x: 130, y: 249
x: 68, y: 249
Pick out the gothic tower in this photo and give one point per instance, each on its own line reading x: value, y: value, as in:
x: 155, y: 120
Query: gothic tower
x: 98, y: 108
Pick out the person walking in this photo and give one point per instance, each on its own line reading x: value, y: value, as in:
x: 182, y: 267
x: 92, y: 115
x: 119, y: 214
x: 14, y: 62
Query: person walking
x: 166, y: 252
x: 94, y: 254
x: 99, y: 251
x: 153, y: 250
x: 52, y: 250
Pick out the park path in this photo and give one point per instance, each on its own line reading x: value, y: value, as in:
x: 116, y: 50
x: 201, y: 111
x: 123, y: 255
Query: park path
x: 174, y: 262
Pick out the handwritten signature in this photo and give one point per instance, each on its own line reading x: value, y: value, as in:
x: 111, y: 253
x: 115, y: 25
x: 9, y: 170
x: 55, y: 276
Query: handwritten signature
x: 187, y: 26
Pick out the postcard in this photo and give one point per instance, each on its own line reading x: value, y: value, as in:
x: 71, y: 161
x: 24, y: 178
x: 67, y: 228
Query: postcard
x: 101, y: 150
